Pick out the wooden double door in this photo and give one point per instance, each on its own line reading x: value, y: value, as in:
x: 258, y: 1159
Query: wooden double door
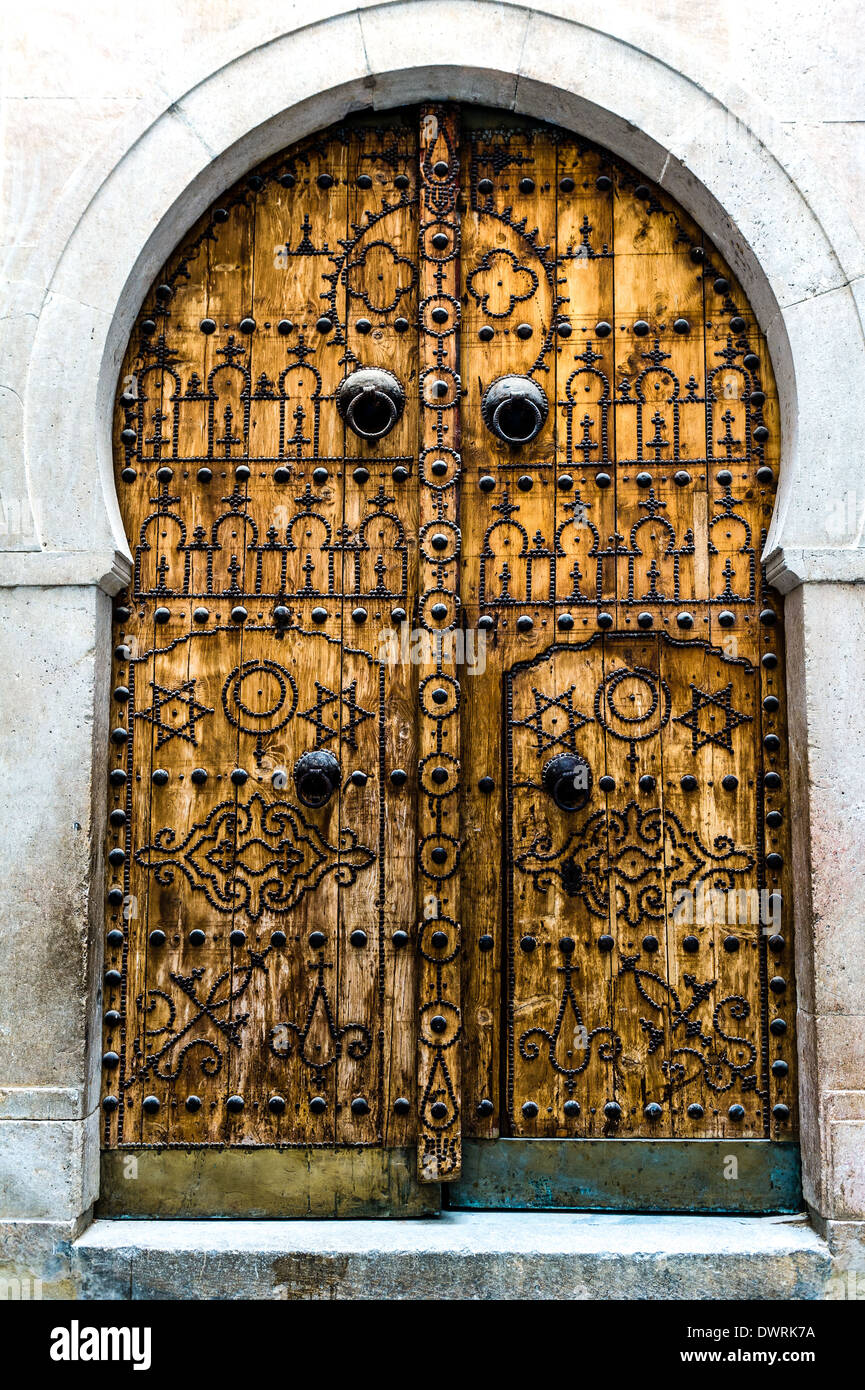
x: 447, y: 745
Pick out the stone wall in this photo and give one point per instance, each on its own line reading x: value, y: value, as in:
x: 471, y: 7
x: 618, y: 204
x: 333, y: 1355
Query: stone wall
x: 119, y: 125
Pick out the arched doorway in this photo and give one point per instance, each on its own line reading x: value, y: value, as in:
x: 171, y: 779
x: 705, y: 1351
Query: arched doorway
x: 448, y: 790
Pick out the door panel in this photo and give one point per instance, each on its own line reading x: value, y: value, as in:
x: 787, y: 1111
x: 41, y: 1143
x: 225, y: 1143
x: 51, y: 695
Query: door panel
x: 255, y: 994
x: 508, y: 599
x: 636, y: 993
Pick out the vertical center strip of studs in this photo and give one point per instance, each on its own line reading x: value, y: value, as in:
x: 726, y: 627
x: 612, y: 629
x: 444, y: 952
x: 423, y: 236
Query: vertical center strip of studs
x: 440, y: 1020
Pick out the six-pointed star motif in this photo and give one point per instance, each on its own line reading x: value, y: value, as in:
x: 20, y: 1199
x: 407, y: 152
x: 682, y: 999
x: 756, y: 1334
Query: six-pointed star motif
x: 712, y: 700
x: 163, y: 697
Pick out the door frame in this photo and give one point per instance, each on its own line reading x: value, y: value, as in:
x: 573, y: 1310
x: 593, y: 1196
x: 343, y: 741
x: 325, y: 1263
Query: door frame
x: 232, y: 119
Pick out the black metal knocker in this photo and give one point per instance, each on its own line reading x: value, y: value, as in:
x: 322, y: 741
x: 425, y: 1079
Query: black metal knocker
x: 316, y: 777
x: 568, y: 780
x: 371, y: 401
x: 514, y: 409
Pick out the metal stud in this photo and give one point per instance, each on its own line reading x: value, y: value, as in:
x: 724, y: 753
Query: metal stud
x: 400, y: 938
x: 530, y: 1110
x: 237, y: 937
x: 398, y: 777
x: 197, y: 937
x: 234, y: 1104
x: 612, y: 1110
x: 645, y: 620
x: 527, y: 944
x: 150, y: 1105
x: 695, y: 1111
x: 647, y: 783
x: 277, y: 938
x: 607, y: 783
x: 527, y: 185
x: 358, y: 938
x: 401, y: 1106
x: 486, y: 942
x: 650, y: 944
x: 603, y: 479
x: 690, y: 944
x: 360, y: 1106
x: 316, y: 940
x: 730, y: 782
x: 653, y: 1112
x: 688, y: 782
x: 317, y: 1105
x: 276, y: 1105
x: 641, y: 328
x: 736, y: 1112
x: 605, y: 943
x: 731, y: 944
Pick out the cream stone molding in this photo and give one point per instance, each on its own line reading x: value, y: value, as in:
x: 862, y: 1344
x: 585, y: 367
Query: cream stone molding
x: 751, y: 190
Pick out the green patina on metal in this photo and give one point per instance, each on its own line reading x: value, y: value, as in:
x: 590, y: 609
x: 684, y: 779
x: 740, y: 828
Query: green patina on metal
x: 629, y: 1175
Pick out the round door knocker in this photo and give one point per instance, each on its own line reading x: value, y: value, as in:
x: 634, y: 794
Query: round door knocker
x: 371, y: 401
x: 514, y: 409
x: 568, y: 779
x: 316, y: 777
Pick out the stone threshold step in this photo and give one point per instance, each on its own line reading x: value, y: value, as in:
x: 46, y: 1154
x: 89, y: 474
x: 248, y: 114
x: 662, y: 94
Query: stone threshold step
x: 464, y: 1255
